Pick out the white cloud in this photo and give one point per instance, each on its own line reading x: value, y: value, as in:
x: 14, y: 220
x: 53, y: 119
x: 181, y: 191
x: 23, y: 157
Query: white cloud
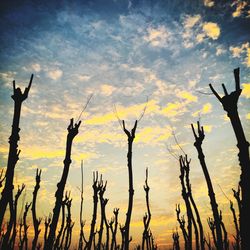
x: 55, y: 74
x: 190, y: 21
x: 107, y: 89
x: 244, y: 50
x: 8, y: 77
x: 238, y: 50
x: 220, y: 50
x: 240, y: 5
x: 192, y: 83
x: 211, y: 29
x: 209, y: 3
x: 36, y: 67
x: 84, y: 77
x: 157, y: 37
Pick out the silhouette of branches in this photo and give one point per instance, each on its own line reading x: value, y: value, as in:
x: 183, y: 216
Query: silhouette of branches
x: 13, y: 157
x: 199, y: 137
x: 36, y: 222
x: 230, y: 105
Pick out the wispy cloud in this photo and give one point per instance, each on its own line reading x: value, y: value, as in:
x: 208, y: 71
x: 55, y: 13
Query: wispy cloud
x: 55, y: 74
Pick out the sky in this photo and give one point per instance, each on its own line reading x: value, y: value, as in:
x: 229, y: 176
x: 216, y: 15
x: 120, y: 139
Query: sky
x: 130, y: 55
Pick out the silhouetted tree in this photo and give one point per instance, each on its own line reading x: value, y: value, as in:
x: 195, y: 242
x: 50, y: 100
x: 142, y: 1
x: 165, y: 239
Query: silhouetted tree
x: 125, y: 229
x: 81, y: 237
x: 225, y: 238
x: 67, y: 234
x: 36, y: 222
x: 176, y: 244
x: 103, y: 203
x: 47, y: 222
x: 114, y: 229
x: 198, y: 145
x: 8, y: 242
x: 182, y: 222
x: 96, y: 189
x: 208, y: 242
x: 14, y: 232
x: 146, y: 236
x: 230, y: 105
x: 7, y: 193
x: 186, y: 166
x: 185, y: 196
x: 237, y: 196
x: 236, y: 245
x: 58, y: 242
x: 24, y: 238
x: 2, y: 177
x: 72, y: 132
x: 211, y: 225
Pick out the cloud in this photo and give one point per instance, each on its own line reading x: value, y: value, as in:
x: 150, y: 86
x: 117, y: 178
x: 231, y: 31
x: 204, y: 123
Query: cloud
x: 153, y: 135
x: 133, y: 111
x: 107, y: 89
x: 238, y: 50
x: 191, y: 26
x: 247, y: 60
x: 208, y: 3
x: 190, y: 21
x: 189, y: 97
x: 242, y: 51
x: 192, y: 83
x: 195, y: 30
x: 157, y: 37
x: 220, y: 50
x: 174, y: 109
x: 240, y: 5
x: 84, y: 77
x: 246, y: 90
x: 207, y: 108
x: 55, y: 74
x: 200, y: 37
x: 8, y: 77
x: 212, y: 30
x: 36, y: 67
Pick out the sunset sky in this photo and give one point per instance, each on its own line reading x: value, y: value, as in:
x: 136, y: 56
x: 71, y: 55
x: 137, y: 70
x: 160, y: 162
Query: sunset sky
x: 125, y: 52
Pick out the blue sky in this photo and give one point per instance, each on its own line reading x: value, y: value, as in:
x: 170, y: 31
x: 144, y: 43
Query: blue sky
x: 124, y: 52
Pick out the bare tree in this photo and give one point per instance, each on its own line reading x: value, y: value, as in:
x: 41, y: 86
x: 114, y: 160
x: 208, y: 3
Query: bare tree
x: 103, y: 203
x: 9, y: 242
x: 72, y: 132
x: 47, y: 222
x: 176, y: 244
x: 67, y: 234
x: 24, y: 238
x: 81, y: 237
x: 114, y: 229
x: 146, y: 236
x: 14, y: 232
x: 237, y: 235
x: 185, y: 195
x: 230, y: 105
x: 198, y: 145
x: 182, y: 222
x: 125, y: 229
x: 7, y: 193
x: 36, y: 222
x: 96, y: 189
x: 58, y: 242
x: 186, y: 165
x: 225, y: 238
